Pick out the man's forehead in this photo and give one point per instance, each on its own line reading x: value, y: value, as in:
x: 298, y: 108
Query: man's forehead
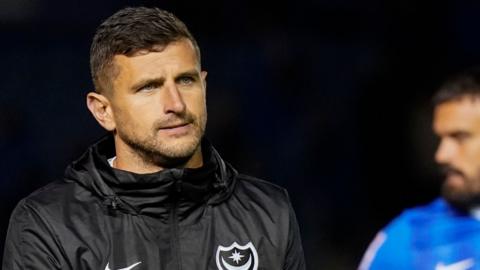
x: 465, y: 106
x: 139, y: 52
x: 463, y: 113
x: 151, y: 66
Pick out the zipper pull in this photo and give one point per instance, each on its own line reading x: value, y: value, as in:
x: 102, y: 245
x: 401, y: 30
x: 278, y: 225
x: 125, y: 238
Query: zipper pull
x: 114, y: 204
x: 111, y: 204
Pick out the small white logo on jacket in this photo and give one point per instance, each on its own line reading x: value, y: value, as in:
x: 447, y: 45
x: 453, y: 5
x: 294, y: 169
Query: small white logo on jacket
x: 236, y: 257
x: 461, y: 265
x: 126, y: 268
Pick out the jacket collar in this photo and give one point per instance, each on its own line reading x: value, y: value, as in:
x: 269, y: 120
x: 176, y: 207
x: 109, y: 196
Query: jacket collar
x: 153, y: 194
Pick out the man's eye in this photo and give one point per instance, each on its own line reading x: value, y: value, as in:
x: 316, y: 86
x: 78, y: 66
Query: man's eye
x: 148, y: 87
x: 461, y: 136
x: 185, y: 80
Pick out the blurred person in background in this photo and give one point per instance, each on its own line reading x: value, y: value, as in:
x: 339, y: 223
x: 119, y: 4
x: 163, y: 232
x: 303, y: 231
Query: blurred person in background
x: 153, y: 193
x: 445, y: 234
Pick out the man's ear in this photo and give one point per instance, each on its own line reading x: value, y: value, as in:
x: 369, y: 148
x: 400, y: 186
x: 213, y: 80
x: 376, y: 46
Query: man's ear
x: 101, y: 109
x: 203, y: 75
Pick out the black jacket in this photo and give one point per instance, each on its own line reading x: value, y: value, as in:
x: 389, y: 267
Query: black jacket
x: 103, y: 218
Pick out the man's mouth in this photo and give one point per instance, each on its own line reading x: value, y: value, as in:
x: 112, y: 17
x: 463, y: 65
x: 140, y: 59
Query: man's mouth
x: 454, y: 176
x: 175, y: 126
x: 176, y: 129
x: 454, y: 179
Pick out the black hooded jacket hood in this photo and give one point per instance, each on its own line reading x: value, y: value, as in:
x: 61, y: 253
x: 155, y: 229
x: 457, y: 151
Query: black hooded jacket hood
x: 153, y: 194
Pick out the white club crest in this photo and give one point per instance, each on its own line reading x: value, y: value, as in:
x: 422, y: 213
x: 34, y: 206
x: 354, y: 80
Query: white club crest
x: 236, y: 257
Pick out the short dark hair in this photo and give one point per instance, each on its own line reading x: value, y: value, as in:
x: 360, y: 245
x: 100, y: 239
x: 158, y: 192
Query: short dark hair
x: 464, y: 84
x: 127, y: 31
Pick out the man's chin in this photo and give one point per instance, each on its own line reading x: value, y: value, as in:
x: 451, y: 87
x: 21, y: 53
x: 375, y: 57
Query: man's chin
x: 460, y: 199
x: 170, y: 153
x: 461, y: 191
x: 175, y: 155
x: 167, y: 158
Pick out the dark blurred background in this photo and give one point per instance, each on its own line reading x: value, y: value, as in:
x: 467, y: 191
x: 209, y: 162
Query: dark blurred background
x: 330, y: 99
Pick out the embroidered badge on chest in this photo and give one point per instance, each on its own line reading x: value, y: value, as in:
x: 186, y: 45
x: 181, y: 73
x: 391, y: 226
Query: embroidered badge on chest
x: 236, y: 257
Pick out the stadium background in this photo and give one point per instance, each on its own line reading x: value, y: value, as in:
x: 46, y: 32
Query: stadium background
x: 329, y: 99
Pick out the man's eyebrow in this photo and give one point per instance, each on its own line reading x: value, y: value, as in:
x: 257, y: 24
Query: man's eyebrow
x: 459, y: 133
x: 189, y: 73
x: 147, y: 81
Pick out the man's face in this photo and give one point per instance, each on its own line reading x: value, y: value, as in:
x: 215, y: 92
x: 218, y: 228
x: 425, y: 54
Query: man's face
x: 457, y: 123
x: 158, y: 103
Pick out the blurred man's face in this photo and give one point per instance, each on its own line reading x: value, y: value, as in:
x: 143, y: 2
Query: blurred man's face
x: 158, y: 103
x: 457, y: 123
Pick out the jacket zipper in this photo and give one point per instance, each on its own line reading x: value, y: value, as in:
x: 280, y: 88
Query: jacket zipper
x: 175, y: 233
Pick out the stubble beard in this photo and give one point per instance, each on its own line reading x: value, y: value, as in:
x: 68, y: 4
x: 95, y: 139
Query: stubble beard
x: 166, y: 152
x: 466, y: 197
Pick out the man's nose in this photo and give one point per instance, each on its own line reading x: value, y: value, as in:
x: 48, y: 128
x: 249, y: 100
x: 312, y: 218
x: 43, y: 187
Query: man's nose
x: 172, y: 99
x: 445, y: 151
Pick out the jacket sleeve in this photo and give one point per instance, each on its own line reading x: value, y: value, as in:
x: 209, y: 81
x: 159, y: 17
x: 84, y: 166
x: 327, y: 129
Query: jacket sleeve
x: 294, y: 258
x: 30, y: 242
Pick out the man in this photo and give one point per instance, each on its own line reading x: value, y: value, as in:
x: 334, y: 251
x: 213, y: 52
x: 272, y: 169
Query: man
x: 153, y: 194
x: 446, y: 233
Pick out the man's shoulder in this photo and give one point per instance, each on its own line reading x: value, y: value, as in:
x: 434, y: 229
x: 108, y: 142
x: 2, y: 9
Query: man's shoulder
x: 50, y: 194
x: 51, y: 199
x: 392, y: 246
x: 257, y: 189
x: 419, y: 216
x: 435, y: 209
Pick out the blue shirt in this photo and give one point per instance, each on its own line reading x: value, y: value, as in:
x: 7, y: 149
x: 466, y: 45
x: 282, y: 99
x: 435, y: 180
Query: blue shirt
x: 434, y: 236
